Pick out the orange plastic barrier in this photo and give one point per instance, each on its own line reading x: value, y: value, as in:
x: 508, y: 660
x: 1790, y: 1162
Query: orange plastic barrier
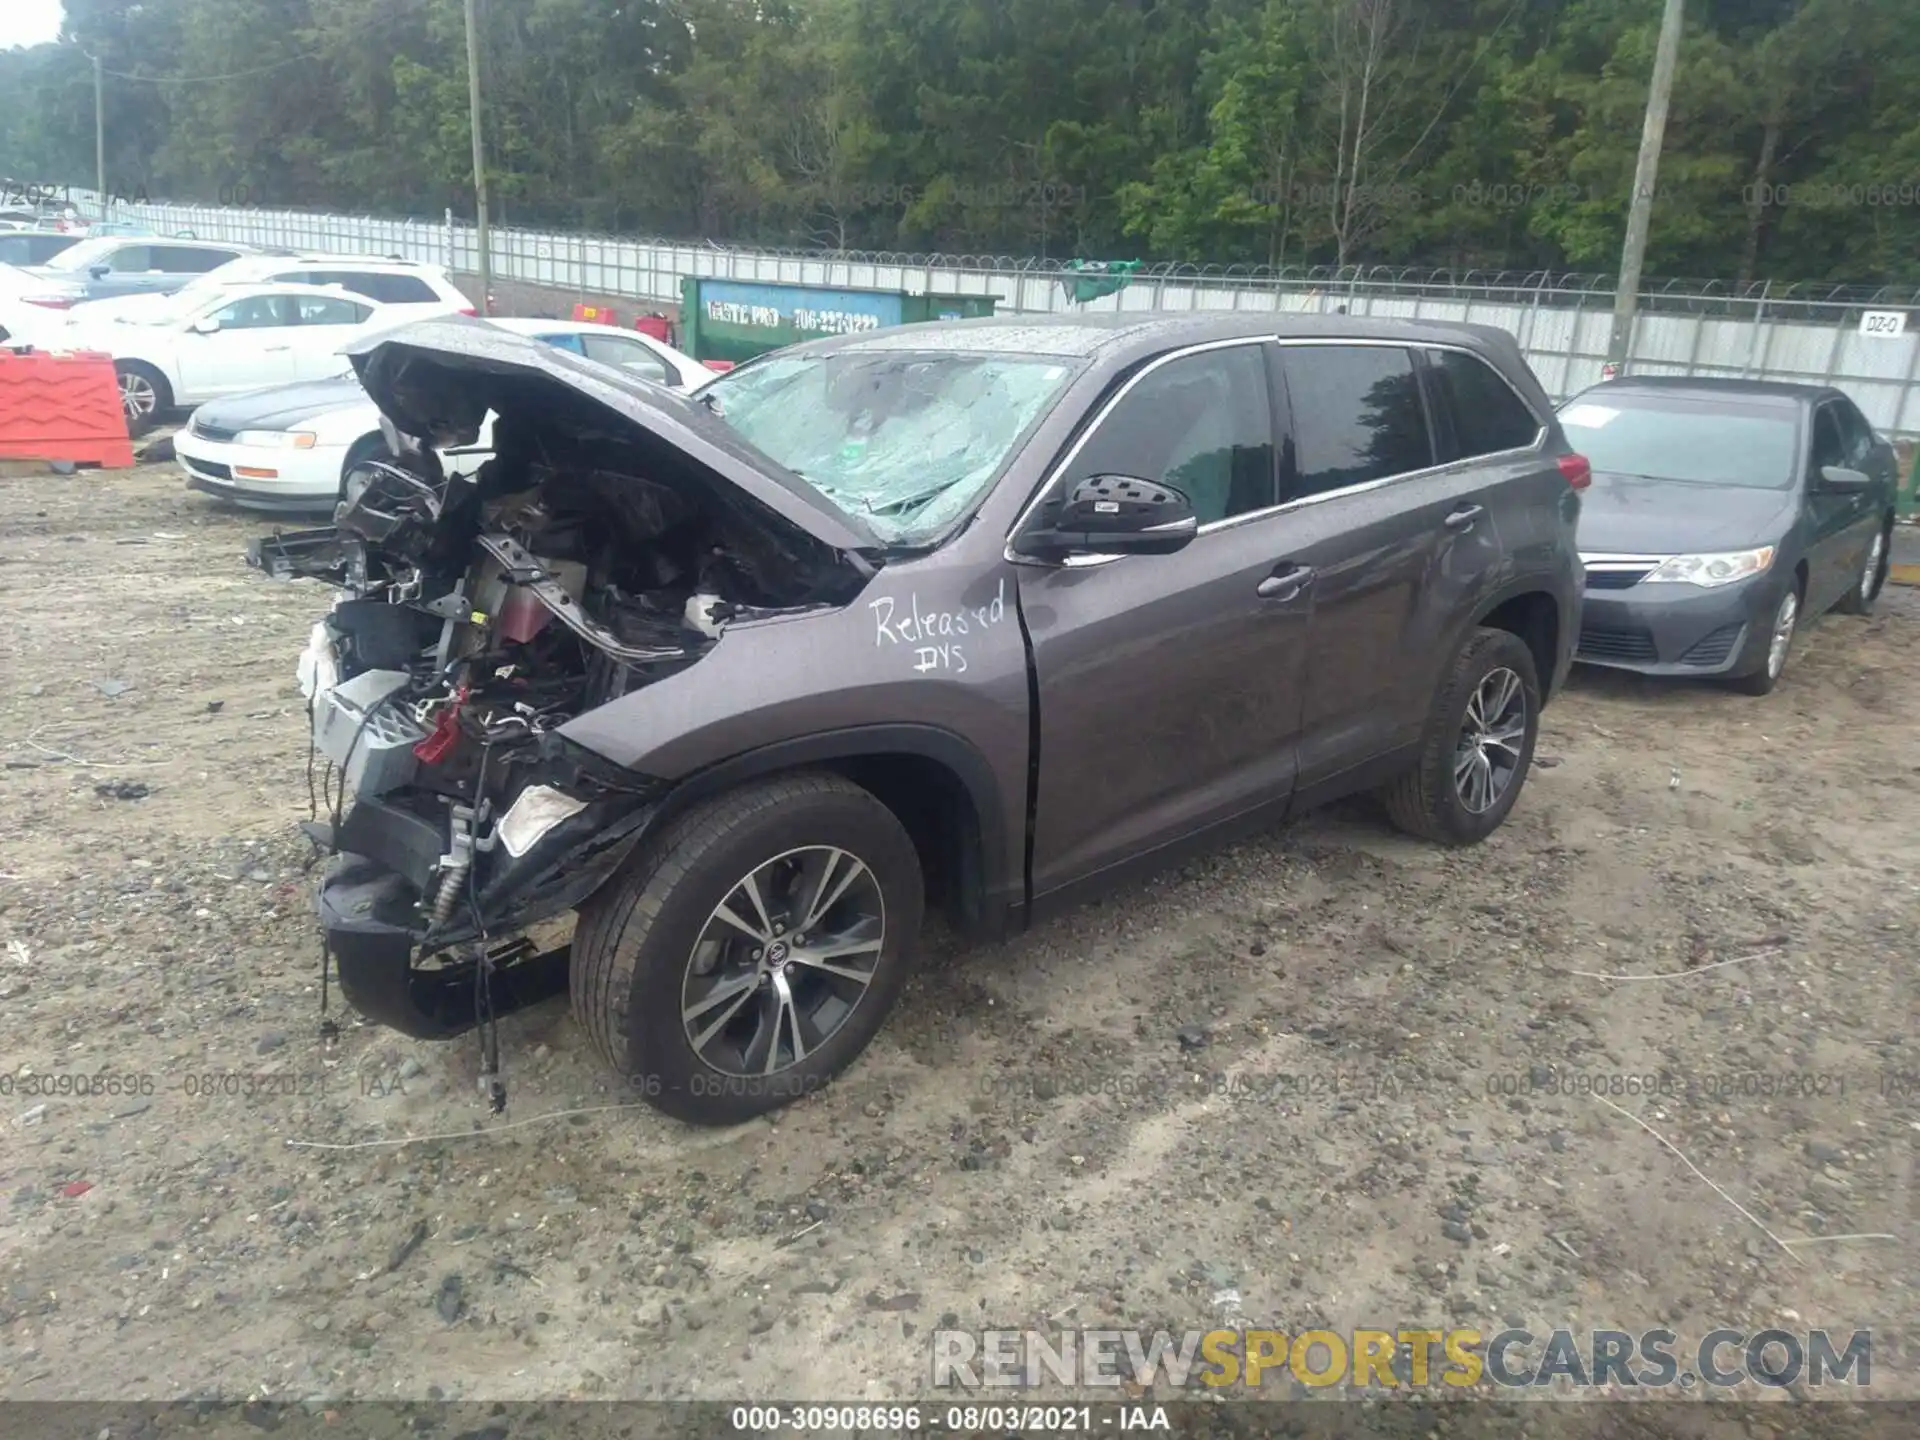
x: 596, y: 314
x: 655, y: 326
x: 62, y: 406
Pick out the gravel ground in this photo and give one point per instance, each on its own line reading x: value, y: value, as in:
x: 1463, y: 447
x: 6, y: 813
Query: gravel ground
x: 1041, y: 1134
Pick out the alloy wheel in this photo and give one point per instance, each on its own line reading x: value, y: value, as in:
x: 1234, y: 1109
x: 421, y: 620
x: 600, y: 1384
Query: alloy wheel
x: 137, y: 398
x: 1783, y: 623
x: 1487, y: 759
x: 783, y: 961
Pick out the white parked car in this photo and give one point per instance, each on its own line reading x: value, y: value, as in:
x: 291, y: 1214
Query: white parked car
x: 415, y: 290
x: 289, y: 448
x: 238, y: 338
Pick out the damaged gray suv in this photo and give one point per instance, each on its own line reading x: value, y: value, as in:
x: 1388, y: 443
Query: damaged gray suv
x: 982, y: 616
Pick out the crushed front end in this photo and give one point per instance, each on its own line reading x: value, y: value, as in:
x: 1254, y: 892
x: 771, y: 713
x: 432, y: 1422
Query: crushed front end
x: 478, y: 614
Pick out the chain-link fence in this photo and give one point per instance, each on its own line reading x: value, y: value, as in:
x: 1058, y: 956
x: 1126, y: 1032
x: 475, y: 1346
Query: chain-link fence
x: 1864, y: 340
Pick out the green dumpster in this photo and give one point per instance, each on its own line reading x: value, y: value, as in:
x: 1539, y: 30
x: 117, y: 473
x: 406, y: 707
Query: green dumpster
x: 1907, y: 499
x: 735, y: 320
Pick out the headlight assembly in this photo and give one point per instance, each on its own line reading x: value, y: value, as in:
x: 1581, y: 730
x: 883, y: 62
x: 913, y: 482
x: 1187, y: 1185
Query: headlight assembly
x: 1709, y: 570
x: 277, y: 439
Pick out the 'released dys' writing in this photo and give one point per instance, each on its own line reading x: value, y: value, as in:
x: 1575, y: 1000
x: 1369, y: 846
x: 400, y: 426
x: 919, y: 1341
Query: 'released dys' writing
x: 933, y: 635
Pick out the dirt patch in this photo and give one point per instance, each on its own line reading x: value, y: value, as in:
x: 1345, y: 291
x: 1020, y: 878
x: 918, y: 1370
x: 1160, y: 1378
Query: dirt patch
x: 1318, y: 1079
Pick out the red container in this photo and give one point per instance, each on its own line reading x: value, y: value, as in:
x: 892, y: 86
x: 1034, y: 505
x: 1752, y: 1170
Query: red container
x: 62, y: 406
x: 596, y: 314
x: 656, y: 326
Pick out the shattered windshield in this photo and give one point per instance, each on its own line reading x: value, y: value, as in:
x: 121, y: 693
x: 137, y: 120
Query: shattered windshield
x: 906, y: 441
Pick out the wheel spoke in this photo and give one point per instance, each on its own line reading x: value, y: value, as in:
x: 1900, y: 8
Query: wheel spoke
x: 764, y: 936
x: 823, y: 904
x: 739, y: 991
x: 786, y: 1016
x: 1505, y: 683
x: 837, y: 950
x: 1508, y: 736
x: 1463, y: 764
x: 817, y: 961
x: 752, y: 886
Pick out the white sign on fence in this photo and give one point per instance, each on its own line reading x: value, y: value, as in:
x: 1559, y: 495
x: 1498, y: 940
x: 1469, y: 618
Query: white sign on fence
x: 1886, y: 324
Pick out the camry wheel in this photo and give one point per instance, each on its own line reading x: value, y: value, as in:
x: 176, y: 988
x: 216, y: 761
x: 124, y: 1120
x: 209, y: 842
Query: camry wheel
x: 143, y: 395
x: 751, y: 951
x: 1786, y: 619
x: 1873, y: 574
x: 1477, y: 745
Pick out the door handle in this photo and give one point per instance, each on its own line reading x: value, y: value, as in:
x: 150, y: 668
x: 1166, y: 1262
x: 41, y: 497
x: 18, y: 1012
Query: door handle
x: 1285, y: 583
x: 275, y: 349
x: 1463, y: 518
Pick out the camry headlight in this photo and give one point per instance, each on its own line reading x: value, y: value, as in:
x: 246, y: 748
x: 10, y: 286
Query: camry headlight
x: 277, y: 439
x: 1710, y: 570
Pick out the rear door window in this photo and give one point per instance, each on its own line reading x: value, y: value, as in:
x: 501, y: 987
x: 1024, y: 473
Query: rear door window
x: 189, y: 259
x: 562, y: 342
x: 257, y: 312
x: 132, y: 260
x: 325, y: 310
x: 629, y: 355
x: 1358, y: 416
x: 1487, y: 416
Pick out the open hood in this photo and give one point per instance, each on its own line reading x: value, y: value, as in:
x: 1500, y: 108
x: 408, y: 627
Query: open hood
x: 436, y: 379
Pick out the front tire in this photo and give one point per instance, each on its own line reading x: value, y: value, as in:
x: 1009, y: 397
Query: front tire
x: 144, y: 395
x: 1873, y: 574
x: 1780, y: 636
x: 1477, y: 745
x: 367, y: 447
x: 749, y: 954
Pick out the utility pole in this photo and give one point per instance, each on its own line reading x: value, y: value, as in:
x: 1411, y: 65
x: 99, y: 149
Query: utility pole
x: 1645, y: 175
x: 485, y: 305
x: 99, y: 137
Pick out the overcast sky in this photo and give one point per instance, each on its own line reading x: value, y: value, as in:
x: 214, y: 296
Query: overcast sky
x: 28, y: 22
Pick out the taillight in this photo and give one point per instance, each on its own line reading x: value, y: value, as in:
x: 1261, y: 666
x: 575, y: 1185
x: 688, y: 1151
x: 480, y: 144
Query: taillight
x: 49, y: 302
x: 1578, y: 472
x: 469, y: 310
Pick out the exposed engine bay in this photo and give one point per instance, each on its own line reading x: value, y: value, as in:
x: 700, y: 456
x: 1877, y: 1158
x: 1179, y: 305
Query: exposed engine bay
x: 585, y: 559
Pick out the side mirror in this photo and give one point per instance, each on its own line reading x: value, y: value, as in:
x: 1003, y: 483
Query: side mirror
x: 1839, y: 480
x: 99, y: 272
x: 205, y: 325
x: 1116, y: 515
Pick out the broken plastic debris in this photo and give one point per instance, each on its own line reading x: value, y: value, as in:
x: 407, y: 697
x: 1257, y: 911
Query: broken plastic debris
x: 111, y: 688
x: 75, y: 1189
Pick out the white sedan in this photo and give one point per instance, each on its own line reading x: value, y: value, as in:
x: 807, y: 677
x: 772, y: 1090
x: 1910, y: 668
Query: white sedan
x: 289, y: 448
x: 242, y: 338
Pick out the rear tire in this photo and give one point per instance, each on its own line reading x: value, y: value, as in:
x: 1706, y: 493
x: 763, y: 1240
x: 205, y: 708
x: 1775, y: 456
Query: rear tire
x: 1873, y: 574
x: 1477, y: 745
x: 144, y: 395
x: 658, y: 976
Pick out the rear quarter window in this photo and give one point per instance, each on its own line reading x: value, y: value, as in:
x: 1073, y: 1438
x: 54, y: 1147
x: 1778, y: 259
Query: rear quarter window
x: 1487, y: 416
x: 395, y: 289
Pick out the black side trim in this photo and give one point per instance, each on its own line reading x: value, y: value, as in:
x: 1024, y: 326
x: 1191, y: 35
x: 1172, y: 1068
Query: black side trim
x: 1002, y: 882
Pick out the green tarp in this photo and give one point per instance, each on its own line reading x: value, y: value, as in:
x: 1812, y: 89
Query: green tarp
x: 1090, y: 279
